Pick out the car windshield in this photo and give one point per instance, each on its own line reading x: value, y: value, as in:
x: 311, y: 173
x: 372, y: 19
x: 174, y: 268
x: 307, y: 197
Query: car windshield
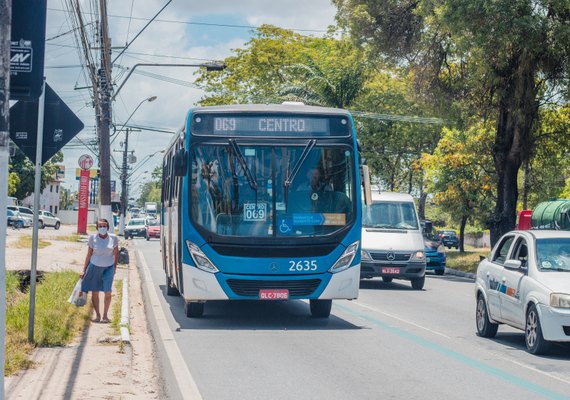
x: 553, y: 254
x: 390, y: 215
x: 153, y: 222
x: 134, y: 222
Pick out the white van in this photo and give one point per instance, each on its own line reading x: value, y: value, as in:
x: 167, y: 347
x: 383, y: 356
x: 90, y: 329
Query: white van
x: 392, y: 242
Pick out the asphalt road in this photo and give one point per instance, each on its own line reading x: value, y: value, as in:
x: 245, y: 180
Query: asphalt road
x: 393, y: 342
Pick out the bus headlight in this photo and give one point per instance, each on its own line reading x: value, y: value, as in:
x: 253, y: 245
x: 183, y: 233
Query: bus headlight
x: 365, y: 256
x: 200, y: 259
x: 560, y: 300
x: 345, y: 259
x: 418, y: 256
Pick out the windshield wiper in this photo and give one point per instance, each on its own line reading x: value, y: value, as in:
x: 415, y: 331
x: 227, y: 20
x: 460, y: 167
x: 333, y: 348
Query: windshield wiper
x: 250, y: 179
x: 291, y: 177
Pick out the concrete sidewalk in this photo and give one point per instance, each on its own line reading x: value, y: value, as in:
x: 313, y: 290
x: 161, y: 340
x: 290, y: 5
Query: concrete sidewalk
x: 95, y: 365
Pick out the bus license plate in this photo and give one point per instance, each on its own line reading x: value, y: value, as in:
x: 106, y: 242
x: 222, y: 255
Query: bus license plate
x: 390, y: 270
x: 273, y: 294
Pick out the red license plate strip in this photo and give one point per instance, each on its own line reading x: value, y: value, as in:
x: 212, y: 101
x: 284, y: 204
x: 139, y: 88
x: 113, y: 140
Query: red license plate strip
x: 274, y: 294
x: 390, y: 270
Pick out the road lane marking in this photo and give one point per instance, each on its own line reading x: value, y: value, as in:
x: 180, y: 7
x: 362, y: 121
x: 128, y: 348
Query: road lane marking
x: 466, y: 360
x: 400, y: 319
x: 184, y: 379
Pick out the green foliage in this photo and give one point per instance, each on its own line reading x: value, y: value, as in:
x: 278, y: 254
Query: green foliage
x: 56, y: 321
x: 13, y: 182
x: 459, y: 173
x: 23, y: 168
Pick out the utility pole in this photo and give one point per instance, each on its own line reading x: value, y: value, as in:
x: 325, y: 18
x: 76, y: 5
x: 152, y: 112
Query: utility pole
x: 104, y: 118
x: 124, y: 195
x: 5, y: 35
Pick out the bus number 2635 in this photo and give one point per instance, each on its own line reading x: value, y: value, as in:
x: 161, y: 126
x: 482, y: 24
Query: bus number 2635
x: 303, y: 265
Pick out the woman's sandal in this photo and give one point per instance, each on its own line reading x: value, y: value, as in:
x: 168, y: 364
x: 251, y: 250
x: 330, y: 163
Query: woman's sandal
x: 96, y: 320
x: 105, y: 321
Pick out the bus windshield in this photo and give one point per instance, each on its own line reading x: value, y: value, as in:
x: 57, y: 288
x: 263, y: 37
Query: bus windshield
x: 240, y: 189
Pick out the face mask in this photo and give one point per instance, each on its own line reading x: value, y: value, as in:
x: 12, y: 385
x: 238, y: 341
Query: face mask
x: 102, y: 230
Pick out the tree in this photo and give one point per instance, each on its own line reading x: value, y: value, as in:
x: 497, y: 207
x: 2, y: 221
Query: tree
x: 459, y: 174
x: 511, y: 52
x: 25, y: 170
x: 13, y: 182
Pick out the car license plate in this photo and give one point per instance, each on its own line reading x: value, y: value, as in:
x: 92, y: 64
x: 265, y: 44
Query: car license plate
x: 390, y: 270
x: 273, y: 294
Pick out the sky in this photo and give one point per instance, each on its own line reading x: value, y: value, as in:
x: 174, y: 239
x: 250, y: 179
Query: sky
x: 186, y: 32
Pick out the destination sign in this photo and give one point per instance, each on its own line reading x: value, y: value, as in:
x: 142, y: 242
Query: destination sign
x: 269, y: 125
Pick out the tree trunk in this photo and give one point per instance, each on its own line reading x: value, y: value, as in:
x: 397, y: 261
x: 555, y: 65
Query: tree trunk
x: 464, y: 219
x: 518, y: 111
x: 422, y: 202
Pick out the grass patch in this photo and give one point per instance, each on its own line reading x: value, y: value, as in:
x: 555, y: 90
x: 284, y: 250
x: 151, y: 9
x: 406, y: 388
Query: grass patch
x: 74, y: 237
x: 25, y: 242
x: 56, y: 322
x: 466, y: 261
x: 117, y: 305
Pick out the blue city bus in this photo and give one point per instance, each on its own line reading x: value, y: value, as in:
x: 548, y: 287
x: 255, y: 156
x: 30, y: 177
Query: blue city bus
x: 262, y: 202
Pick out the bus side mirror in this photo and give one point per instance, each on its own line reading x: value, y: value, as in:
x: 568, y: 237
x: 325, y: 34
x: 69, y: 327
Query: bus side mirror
x: 180, y: 162
x: 366, y: 184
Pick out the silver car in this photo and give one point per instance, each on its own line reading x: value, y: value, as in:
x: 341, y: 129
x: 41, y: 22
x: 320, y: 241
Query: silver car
x: 525, y: 283
x: 45, y: 218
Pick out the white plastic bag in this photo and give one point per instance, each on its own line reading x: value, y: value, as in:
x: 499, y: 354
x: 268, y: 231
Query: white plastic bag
x: 77, y: 297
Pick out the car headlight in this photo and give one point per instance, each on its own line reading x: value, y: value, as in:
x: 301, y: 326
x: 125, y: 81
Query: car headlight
x: 346, y: 258
x: 365, y: 256
x: 200, y: 259
x: 441, y: 249
x: 560, y: 300
x: 418, y: 256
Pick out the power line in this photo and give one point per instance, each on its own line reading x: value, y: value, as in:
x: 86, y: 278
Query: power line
x: 215, y: 25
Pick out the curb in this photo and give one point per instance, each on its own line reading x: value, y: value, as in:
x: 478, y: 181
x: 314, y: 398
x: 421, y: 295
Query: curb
x: 455, y: 272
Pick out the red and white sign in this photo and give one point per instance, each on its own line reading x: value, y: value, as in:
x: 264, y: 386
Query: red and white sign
x: 83, y: 201
x: 85, y: 162
x: 273, y: 294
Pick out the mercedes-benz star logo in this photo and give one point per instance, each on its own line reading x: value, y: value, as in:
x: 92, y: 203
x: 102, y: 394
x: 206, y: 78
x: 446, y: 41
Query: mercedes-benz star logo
x: 390, y: 256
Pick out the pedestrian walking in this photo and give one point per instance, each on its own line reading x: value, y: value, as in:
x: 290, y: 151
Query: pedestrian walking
x: 99, y: 268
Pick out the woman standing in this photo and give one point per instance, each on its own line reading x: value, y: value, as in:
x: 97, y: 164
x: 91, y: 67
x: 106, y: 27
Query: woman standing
x: 99, y: 268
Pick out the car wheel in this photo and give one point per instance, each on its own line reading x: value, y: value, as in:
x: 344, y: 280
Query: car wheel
x: 126, y: 235
x: 440, y: 271
x: 57, y: 225
x: 485, y: 328
x: 41, y: 224
x: 193, y: 309
x: 418, y: 283
x: 387, y: 279
x: 535, y: 343
x: 320, y: 308
x: 170, y: 288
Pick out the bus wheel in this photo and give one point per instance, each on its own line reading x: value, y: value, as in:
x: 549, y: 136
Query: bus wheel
x: 170, y: 289
x: 193, y: 309
x: 320, y: 308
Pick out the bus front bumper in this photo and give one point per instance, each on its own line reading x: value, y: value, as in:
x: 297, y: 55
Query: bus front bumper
x: 201, y: 286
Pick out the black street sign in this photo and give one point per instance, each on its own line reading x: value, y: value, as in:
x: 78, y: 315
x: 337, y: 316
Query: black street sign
x: 60, y: 125
x: 27, y: 48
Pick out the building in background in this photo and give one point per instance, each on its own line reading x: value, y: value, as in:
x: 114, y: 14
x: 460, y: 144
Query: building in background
x: 49, y: 199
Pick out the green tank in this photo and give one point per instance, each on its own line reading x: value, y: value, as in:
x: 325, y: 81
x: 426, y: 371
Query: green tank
x: 551, y: 215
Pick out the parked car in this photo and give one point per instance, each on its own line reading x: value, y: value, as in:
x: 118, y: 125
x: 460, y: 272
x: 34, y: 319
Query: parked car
x: 15, y: 219
x: 45, y: 218
x: 525, y: 283
x: 135, y: 227
x: 152, y: 229
x: 25, y: 212
x: 449, y: 238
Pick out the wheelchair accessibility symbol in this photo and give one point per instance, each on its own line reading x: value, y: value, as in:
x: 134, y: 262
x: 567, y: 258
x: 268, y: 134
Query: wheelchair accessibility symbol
x: 284, y: 228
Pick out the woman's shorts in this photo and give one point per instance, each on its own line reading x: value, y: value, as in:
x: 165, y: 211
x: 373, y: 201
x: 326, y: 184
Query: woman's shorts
x: 98, y: 279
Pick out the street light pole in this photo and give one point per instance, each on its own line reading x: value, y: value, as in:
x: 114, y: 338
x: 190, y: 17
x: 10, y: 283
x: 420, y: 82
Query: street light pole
x: 124, y: 190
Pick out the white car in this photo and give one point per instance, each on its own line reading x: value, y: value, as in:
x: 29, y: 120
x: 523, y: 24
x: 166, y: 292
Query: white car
x: 525, y: 283
x: 45, y: 218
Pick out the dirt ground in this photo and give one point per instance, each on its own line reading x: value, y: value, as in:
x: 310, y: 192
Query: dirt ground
x: 90, y: 367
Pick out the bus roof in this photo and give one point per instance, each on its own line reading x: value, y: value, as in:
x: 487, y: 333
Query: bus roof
x: 271, y: 108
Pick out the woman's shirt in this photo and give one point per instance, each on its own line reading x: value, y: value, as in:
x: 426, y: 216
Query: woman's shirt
x: 103, y: 254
